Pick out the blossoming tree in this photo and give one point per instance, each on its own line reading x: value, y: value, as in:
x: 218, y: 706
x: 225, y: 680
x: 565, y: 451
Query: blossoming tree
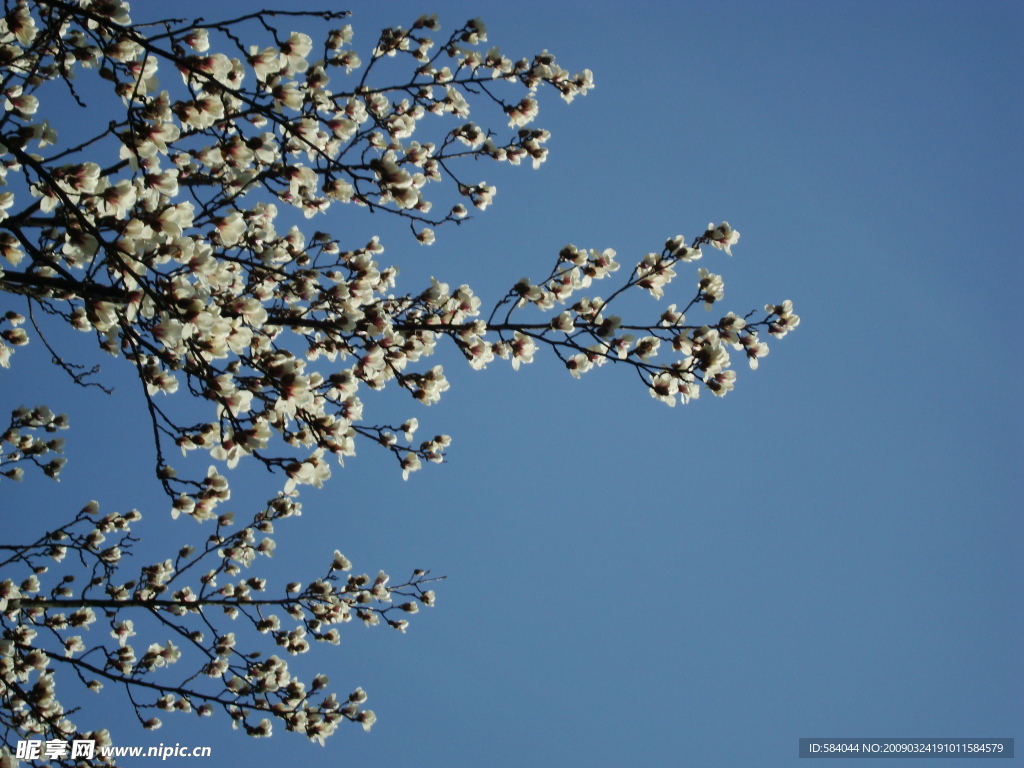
x: 172, y: 237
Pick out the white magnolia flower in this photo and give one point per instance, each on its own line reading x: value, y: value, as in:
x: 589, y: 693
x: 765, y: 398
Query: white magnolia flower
x: 122, y: 631
x: 522, y: 349
x: 711, y: 287
x: 723, y: 236
x: 664, y: 387
x: 785, y: 319
x: 721, y: 383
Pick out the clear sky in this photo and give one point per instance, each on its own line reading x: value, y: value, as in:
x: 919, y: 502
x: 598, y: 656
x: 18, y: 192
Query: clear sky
x: 834, y: 549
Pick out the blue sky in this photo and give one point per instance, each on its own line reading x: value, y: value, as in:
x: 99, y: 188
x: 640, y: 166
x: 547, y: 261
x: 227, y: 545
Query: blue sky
x: 831, y: 550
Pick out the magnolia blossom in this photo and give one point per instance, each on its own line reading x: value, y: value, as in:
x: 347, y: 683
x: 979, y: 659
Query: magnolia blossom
x: 723, y: 236
x: 664, y: 387
x: 122, y: 631
x: 711, y: 286
x: 785, y: 319
x: 522, y: 113
x: 753, y: 348
x: 522, y: 349
x: 721, y: 382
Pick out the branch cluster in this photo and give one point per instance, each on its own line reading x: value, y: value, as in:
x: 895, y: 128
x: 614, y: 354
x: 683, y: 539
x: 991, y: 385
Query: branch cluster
x: 173, y: 236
